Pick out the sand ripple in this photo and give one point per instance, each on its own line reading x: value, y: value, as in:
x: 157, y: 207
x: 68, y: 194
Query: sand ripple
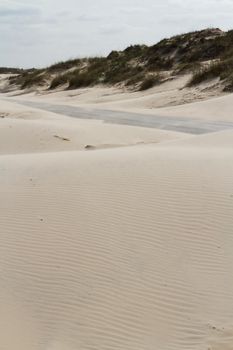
x: 118, y: 249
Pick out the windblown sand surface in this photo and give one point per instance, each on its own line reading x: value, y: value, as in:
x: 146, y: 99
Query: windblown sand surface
x: 173, y: 94
x: 26, y: 130
x: 171, y: 99
x: 119, y: 248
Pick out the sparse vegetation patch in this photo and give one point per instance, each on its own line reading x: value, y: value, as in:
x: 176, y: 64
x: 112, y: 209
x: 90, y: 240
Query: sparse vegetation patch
x: 222, y: 69
x: 151, y: 81
x: 140, y: 66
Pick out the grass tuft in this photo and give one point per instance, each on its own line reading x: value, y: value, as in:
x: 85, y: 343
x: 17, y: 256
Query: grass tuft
x: 150, y: 82
x: 59, y: 80
x: 222, y: 69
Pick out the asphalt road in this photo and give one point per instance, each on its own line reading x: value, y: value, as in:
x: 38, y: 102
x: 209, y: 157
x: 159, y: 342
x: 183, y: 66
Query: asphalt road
x: 187, y: 125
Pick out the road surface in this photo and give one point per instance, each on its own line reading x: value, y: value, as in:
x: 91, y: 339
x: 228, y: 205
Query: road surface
x: 186, y: 125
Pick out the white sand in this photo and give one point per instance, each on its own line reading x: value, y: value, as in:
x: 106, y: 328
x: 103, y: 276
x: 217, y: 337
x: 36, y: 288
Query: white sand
x: 26, y: 130
x: 171, y: 99
x: 160, y: 98
x: 125, y: 248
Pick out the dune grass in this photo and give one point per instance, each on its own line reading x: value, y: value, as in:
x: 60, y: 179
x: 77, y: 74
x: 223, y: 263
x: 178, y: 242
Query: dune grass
x: 222, y: 69
x: 135, y: 65
x: 150, y: 82
x: 29, y: 78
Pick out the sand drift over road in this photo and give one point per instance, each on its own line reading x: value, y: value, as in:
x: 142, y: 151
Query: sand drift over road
x: 178, y: 124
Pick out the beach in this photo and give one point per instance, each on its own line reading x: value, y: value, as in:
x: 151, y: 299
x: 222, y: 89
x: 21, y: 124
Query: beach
x: 115, y: 236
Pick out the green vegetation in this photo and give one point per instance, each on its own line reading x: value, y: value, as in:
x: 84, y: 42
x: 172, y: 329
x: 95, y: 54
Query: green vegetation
x: 81, y: 79
x: 87, y: 74
x: 158, y: 63
x: 120, y: 72
x: 59, y: 80
x: 98, y: 70
x: 222, y: 69
x: 135, y: 79
x: 29, y: 78
x: 7, y: 70
x: 140, y: 66
x: 229, y: 84
x: 151, y: 81
x: 187, y: 68
x: 64, y: 65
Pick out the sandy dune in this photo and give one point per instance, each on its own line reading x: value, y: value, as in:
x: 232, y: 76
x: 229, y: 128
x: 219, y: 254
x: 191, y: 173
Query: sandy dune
x: 26, y: 130
x: 119, y: 248
x: 127, y: 248
x: 172, y: 97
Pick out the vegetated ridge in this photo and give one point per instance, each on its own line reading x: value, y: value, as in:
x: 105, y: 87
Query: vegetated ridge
x: 207, y: 54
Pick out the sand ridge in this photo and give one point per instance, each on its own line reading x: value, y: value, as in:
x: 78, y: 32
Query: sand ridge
x: 120, y: 248
x: 172, y: 98
x: 28, y: 130
x: 142, y: 266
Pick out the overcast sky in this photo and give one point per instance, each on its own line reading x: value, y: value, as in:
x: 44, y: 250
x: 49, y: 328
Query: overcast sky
x: 40, y: 32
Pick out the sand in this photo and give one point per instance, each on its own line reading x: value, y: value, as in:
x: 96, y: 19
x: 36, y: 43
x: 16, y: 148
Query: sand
x: 124, y: 247
x: 27, y: 130
x: 171, y: 99
x: 167, y: 96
